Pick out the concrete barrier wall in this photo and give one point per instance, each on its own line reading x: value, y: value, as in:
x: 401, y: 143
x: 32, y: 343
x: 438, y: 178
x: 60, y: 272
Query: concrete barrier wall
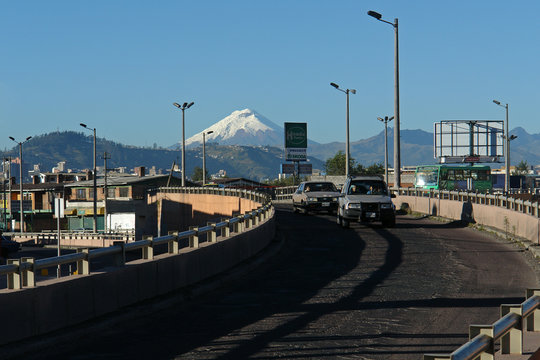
x: 514, y: 223
x: 59, y: 303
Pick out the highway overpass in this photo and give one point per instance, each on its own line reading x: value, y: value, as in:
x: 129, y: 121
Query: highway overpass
x: 327, y: 292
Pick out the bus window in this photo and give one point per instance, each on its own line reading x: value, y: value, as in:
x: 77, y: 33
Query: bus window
x: 459, y: 174
x: 426, y: 177
x: 474, y: 174
x: 451, y: 174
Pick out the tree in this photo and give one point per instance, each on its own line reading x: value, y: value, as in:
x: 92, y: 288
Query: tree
x: 375, y: 169
x: 198, y: 174
x: 522, y: 168
x: 336, y: 165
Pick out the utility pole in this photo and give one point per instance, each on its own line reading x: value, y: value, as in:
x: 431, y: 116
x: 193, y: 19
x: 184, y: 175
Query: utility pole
x: 105, y: 192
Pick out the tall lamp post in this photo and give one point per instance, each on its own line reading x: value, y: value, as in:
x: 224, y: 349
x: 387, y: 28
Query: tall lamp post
x: 385, y: 121
x: 507, y: 138
x: 94, y: 177
x: 347, y: 147
x: 183, y: 107
x: 21, y: 212
x: 397, y: 149
x: 204, y: 155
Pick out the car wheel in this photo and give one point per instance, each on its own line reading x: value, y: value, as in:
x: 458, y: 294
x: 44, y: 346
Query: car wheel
x: 345, y: 223
x: 338, y: 219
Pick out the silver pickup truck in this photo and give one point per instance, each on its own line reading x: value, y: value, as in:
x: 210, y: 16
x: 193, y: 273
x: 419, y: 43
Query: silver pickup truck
x: 315, y: 196
x: 366, y: 198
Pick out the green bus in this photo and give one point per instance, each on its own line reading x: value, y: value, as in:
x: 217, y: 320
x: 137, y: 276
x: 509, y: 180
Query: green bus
x: 453, y: 177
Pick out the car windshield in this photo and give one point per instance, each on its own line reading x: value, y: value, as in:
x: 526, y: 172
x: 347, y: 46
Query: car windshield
x: 367, y: 187
x: 320, y: 187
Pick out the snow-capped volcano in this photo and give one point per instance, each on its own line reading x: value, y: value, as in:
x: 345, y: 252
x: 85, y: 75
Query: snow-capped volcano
x: 242, y: 127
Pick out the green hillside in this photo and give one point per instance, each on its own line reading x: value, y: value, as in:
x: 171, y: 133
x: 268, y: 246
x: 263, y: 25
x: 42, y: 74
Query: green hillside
x: 76, y: 149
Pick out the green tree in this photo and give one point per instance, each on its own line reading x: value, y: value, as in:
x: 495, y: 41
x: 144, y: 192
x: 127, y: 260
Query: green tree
x: 522, y: 168
x: 375, y: 169
x: 198, y: 174
x: 336, y: 165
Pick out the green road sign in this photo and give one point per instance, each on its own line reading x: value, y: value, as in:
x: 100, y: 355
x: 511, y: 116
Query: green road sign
x: 295, y: 135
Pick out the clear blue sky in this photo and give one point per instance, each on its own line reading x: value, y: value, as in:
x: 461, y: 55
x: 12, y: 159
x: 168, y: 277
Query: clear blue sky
x: 119, y: 65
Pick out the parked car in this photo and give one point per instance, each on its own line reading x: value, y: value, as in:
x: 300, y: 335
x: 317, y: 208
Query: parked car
x: 366, y: 198
x: 316, y: 196
x: 8, y: 246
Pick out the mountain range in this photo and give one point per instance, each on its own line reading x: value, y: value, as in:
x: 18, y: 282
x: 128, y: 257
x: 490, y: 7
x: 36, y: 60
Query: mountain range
x: 244, y: 144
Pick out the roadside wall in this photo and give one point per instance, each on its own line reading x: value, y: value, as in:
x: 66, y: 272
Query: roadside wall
x: 179, y: 211
x: 60, y: 303
x: 513, y: 223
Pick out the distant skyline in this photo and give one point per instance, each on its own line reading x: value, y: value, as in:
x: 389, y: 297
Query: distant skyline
x: 119, y: 65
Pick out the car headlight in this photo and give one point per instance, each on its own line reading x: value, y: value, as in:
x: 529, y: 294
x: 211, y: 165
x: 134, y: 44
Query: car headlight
x: 354, y: 206
x: 311, y: 199
x: 334, y: 199
x: 386, y: 206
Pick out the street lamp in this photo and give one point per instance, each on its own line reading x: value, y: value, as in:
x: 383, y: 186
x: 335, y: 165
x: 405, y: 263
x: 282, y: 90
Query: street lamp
x: 183, y: 107
x: 507, y: 138
x: 204, y: 155
x: 347, y: 148
x: 21, y: 180
x: 385, y: 121
x: 397, y: 149
x: 94, y: 177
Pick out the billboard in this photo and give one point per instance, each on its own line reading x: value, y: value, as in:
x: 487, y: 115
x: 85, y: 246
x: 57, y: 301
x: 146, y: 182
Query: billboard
x: 468, y: 141
x: 287, y: 168
x: 295, y: 141
x: 305, y: 169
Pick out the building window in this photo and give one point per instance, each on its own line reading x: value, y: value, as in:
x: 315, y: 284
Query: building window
x: 111, y: 193
x: 124, y: 192
x: 81, y: 193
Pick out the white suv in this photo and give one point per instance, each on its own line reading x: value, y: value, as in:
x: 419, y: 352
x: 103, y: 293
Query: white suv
x: 366, y: 198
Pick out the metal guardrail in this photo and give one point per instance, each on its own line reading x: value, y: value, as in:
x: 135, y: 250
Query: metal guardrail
x: 508, y: 330
x: 495, y: 199
x: 21, y: 272
x: 285, y: 193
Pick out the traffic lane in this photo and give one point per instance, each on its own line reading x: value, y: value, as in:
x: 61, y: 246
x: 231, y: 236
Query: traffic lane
x: 367, y: 292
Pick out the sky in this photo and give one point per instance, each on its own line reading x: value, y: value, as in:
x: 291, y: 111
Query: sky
x: 118, y: 66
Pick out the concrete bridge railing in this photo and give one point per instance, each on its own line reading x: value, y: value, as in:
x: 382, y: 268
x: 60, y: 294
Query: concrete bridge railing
x: 514, y: 217
x: 508, y: 330
x: 29, y: 308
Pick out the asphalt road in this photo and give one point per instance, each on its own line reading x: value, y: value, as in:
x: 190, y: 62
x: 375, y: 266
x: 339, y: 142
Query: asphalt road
x: 329, y: 293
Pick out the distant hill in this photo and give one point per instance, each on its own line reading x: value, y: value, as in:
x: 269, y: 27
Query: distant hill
x: 416, y: 148
x: 76, y: 149
x: 253, y: 162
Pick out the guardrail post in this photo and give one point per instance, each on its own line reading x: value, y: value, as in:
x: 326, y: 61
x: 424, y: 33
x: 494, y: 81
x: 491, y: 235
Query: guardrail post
x: 14, y: 279
x: 257, y: 217
x: 437, y: 357
x: 533, y: 321
x: 120, y: 259
x: 194, y: 239
x: 83, y: 266
x: 248, y: 220
x: 475, y: 330
x: 512, y: 343
x: 212, y: 237
x: 226, y: 231
x: 28, y: 275
x: 173, y: 247
x: 148, y: 251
